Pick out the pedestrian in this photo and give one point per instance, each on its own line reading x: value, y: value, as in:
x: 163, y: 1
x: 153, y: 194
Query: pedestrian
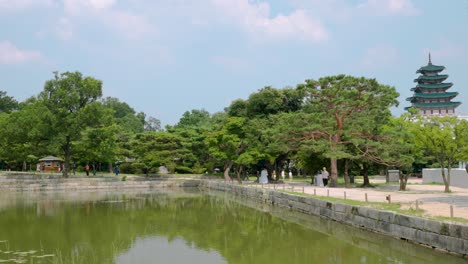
x: 117, y: 170
x: 86, y: 168
x: 325, y: 176
x: 74, y: 168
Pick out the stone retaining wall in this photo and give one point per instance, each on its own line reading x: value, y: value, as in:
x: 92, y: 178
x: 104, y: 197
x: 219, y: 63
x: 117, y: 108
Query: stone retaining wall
x: 91, y: 184
x: 445, y: 236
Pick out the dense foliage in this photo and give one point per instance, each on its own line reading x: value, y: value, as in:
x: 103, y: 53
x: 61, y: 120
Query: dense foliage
x: 339, y: 122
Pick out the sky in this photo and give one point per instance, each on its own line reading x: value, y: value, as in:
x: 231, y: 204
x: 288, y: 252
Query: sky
x: 166, y: 57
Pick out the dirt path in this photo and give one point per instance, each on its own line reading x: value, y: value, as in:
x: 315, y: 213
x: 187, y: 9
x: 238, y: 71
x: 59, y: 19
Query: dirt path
x: 431, y: 198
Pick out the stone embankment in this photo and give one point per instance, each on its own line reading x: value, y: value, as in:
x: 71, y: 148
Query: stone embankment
x: 451, y: 237
x: 111, y: 183
x: 445, y: 236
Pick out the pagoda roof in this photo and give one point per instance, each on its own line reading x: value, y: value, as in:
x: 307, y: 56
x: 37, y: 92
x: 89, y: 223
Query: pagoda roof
x: 432, y: 86
x: 437, y: 105
x: 433, y: 95
x: 438, y: 77
x: 430, y: 68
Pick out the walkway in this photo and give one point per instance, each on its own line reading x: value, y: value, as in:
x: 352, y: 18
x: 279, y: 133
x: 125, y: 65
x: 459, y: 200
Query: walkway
x: 430, y: 198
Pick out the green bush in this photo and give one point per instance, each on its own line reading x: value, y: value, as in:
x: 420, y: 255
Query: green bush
x: 127, y: 168
x: 183, y: 170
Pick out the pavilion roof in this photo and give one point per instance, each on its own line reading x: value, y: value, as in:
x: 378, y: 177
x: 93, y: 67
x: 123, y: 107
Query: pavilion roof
x: 432, y: 86
x: 432, y: 95
x: 50, y: 158
x: 430, y: 68
x: 437, y: 77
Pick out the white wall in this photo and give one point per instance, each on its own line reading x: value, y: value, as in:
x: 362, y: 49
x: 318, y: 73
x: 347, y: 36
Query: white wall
x: 458, y: 177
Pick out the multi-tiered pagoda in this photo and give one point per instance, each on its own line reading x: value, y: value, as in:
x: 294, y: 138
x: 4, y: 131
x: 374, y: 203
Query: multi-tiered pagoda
x: 430, y: 94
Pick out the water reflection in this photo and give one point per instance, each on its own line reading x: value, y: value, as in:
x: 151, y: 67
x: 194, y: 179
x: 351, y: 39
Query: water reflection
x: 187, y: 227
x: 160, y: 250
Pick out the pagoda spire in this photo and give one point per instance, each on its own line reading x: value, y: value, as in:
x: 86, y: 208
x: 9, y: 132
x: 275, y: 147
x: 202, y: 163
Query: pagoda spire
x: 430, y: 62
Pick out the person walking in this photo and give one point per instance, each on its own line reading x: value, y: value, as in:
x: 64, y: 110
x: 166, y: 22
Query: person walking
x: 117, y: 170
x: 86, y: 168
x: 74, y: 168
x: 325, y: 176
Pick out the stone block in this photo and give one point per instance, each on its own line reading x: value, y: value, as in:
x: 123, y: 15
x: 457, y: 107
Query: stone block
x: 383, y: 227
x: 392, y: 176
x: 430, y: 226
x: 341, y: 208
x: 402, y: 220
x: 403, y: 231
x: 459, y: 231
x: 362, y: 211
x: 373, y: 213
x: 325, y: 212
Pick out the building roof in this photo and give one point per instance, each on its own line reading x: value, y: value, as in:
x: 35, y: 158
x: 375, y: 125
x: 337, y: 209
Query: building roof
x: 430, y: 86
x: 50, y: 158
x: 437, y: 105
x: 432, y: 95
x: 434, y: 85
x: 437, y: 77
x: 430, y: 68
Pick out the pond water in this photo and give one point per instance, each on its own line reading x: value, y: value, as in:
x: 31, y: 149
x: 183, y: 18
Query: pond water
x: 185, y: 226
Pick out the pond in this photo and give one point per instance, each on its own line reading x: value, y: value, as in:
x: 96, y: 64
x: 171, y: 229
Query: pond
x: 183, y: 226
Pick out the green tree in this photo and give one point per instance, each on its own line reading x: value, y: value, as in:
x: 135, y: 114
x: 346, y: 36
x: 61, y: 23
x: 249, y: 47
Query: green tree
x: 193, y: 126
x: 444, y: 139
x: 71, y: 99
x: 339, y: 108
x: 7, y: 103
x: 227, y: 141
x: 154, y: 149
x: 23, y: 133
x: 392, y: 146
x: 125, y: 116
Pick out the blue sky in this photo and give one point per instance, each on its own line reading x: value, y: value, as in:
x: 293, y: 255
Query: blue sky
x: 164, y: 57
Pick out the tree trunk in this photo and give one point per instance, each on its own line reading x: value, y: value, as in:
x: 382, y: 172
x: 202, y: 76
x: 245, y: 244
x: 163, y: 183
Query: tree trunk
x: 346, y: 173
x: 333, y: 161
x: 239, y: 173
x: 403, y: 180
x: 446, y: 180
x: 365, y: 175
x: 111, y: 170
x: 66, y: 150
x: 227, y: 168
x: 25, y: 166
x: 333, y: 173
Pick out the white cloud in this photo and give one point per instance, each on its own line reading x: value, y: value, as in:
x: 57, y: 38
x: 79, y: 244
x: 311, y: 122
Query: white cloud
x: 130, y: 25
x: 389, y: 7
x: 256, y: 19
x: 10, y: 54
x: 102, y: 12
x: 23, y: 4
x: 380, y: 56
x: 76, y: 7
